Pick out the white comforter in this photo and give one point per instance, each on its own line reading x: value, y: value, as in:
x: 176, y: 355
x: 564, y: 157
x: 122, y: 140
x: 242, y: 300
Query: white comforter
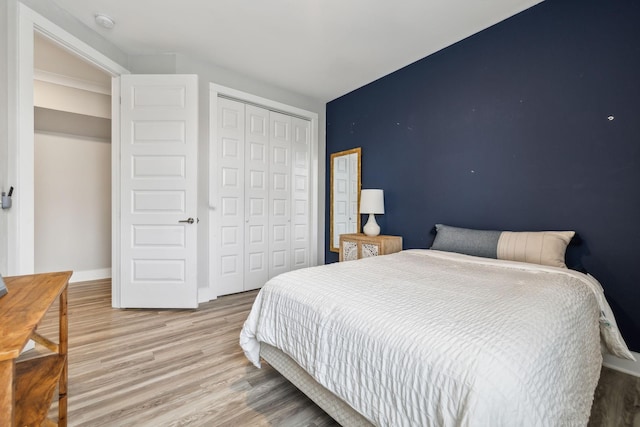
x: 428, y: 338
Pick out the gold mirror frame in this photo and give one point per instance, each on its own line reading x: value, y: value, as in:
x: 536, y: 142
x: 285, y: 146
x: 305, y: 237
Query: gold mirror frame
x: 334, y: 246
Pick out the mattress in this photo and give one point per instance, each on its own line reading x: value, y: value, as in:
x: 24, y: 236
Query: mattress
x: 430, y: 338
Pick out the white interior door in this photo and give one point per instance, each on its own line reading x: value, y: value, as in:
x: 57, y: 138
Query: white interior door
x: 159, y: 139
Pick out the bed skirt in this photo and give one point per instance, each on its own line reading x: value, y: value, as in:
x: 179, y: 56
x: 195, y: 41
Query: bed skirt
x: 329, y: 402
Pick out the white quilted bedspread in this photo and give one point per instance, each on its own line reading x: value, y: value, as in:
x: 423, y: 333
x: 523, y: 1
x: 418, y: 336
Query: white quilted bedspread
x: 428, y: 338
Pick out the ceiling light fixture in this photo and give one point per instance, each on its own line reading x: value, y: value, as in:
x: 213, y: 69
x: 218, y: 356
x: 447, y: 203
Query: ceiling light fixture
x: 104, y: 21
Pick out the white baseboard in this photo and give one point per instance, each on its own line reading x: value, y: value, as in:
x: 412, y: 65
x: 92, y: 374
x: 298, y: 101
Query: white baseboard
x: 206, y: 295
x: 87, y: 275
x: 627, y: 366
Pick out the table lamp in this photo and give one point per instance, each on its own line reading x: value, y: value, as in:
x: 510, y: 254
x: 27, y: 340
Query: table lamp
x: 371, y: 202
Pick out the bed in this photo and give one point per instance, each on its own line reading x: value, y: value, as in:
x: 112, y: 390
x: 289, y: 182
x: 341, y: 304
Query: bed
x: 427, y: 337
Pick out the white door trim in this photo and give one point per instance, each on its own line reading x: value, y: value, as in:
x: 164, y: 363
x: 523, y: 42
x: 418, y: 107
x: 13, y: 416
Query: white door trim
x: 216, y: 90
x: 21, y: 131
x: 116, y: 238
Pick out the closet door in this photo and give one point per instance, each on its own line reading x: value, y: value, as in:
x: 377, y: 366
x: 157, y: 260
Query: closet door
x: 228, y: 228
x: 279, y: 194
x: 301, y: 200
x: 261, y: 204
x: 256, y: 197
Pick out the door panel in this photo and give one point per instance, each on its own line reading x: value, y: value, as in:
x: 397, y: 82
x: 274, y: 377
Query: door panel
x: 159, y: 122
x: 256, y: 191
x: 228, y: 220
x: 301, y: 199
x: 279, y: 194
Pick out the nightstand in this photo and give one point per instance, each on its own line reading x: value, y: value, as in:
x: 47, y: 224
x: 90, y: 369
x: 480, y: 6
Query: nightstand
x: 356, y: 246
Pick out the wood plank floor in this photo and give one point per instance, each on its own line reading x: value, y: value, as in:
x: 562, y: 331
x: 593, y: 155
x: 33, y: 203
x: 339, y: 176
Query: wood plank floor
x: 178, y: 368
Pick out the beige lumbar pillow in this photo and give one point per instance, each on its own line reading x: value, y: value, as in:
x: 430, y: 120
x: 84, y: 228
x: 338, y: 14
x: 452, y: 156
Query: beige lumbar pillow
x: 537, y: 247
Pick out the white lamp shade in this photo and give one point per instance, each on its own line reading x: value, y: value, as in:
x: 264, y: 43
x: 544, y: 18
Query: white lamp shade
x: 372, y: 202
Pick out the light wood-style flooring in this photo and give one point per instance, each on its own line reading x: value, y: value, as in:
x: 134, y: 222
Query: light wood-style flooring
x: 179, y: 368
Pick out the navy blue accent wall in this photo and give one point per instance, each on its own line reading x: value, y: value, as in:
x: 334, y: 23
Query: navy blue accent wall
x: 532, y: 124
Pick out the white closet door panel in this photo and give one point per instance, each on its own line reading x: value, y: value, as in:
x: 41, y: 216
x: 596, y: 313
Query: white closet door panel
x: 301, y: 199
x: 279, y: 194
x: 228, y: 228
x: 256, y: 170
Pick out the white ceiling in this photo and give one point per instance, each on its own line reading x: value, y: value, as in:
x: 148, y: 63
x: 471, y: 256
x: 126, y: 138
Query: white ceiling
x: 318, y: 48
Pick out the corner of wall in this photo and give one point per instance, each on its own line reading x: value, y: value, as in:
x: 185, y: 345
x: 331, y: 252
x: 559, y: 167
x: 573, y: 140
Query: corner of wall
x: 204, y: 285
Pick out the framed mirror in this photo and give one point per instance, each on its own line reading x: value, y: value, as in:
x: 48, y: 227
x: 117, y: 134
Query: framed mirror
x: 345, y: 195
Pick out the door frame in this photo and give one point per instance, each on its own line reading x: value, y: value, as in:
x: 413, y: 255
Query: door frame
x: 216, y: 90
x: 21, y: 130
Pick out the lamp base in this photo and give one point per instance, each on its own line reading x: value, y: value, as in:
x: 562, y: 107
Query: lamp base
x: 371, y: 228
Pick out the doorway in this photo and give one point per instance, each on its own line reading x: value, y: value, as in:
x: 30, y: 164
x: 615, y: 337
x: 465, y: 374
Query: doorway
x: 21, y: 230
x: 72, y: 163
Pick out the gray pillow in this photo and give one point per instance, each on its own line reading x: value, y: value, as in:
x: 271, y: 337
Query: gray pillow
x: 483, y: 243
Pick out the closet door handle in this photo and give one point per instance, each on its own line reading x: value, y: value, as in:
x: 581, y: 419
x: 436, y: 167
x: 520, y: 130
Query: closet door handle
x: 190, y: 220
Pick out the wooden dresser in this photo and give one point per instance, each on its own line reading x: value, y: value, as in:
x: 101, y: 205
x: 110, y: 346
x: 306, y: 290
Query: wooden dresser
x: 27, y: 384
x: 356, y: 246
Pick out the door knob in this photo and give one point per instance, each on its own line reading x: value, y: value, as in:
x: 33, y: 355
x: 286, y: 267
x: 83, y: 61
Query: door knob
x: 190, y: 220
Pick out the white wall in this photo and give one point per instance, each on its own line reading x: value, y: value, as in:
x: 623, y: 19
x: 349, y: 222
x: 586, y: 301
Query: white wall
x: 72, y: 203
